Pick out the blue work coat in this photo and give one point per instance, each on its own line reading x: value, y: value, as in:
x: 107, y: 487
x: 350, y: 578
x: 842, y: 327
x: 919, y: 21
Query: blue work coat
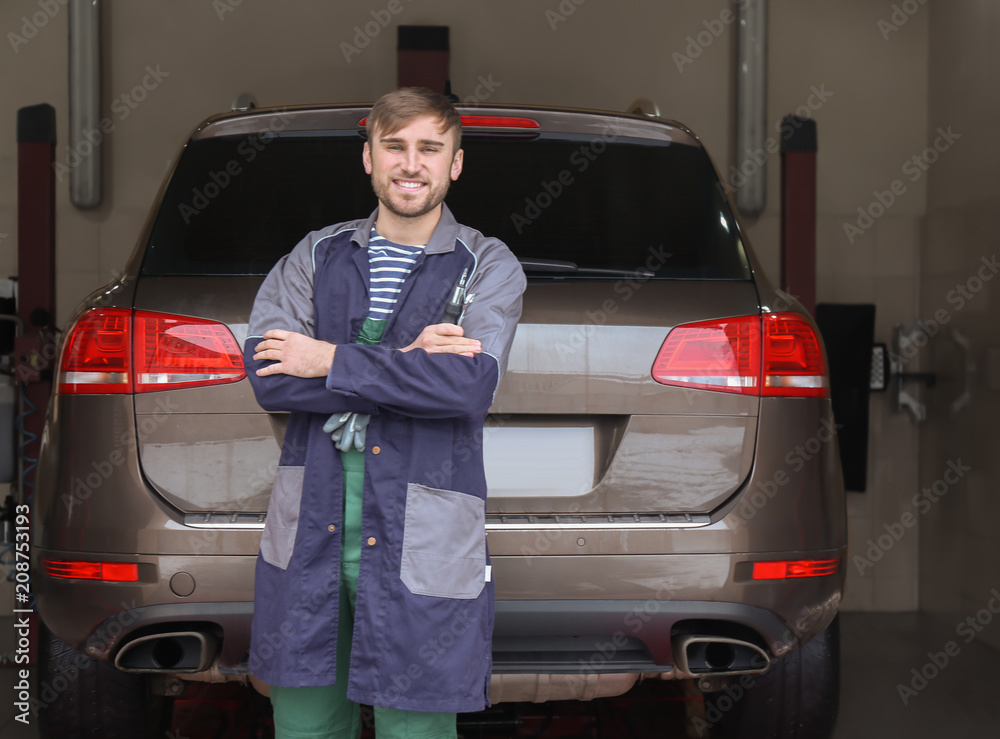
x: 424, y: 615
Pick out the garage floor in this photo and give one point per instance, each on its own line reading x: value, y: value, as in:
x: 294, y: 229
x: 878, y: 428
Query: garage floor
x: 879, y: 652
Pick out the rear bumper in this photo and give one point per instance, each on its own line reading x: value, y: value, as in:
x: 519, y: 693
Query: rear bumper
x: 583, y: 603
x: 646, y: 602
x: 97, y: 617
x: 564, y: 588
x: 571, y: 637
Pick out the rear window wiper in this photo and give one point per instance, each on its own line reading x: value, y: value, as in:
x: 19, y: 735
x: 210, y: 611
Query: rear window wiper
x: 560, y: 267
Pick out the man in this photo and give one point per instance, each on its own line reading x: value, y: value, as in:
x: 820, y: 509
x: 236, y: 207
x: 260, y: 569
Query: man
x: 373, y: 583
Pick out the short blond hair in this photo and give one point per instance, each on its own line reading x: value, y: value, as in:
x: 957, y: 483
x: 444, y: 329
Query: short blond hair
x: 398, y: 108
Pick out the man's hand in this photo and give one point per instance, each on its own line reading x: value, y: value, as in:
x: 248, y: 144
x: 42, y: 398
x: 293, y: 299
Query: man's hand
x: 295, y: 354
x: 445, y: 338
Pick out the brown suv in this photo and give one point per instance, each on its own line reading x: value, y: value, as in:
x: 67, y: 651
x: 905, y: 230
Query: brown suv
x: 665, y: 491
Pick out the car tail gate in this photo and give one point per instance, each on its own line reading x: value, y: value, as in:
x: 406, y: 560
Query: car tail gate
x: 203, y: 442
x: 581, y: 424
x: 639, y: 363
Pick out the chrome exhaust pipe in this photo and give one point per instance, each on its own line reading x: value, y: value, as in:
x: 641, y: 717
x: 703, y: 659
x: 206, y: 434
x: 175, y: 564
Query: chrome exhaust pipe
x: 697, y: 655
x: 169, y: 652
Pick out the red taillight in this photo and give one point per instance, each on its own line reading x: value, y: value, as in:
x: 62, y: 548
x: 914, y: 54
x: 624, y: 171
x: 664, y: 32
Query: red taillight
x: 487, y: 121
x: 173, y: 352
x: 712, y: 355
x: 107, y: 571
x: 775, y: 354
x: 113, y: 350
x: 793, y: 359
x: 97, y: 358
x: 786, y: 569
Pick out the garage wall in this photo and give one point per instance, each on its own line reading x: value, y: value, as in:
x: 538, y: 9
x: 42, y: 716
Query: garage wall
x: 874, y: 122
x: 959, y: 556
x: 866, y: 83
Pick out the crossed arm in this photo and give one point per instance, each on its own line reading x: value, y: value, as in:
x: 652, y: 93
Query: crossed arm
x: 299, y: 355
x: 328, y: 378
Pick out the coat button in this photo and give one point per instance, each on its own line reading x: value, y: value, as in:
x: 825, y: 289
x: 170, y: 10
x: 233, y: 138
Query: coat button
x: 371, y: 541
x: 331, y: 528
x: 376, y: 450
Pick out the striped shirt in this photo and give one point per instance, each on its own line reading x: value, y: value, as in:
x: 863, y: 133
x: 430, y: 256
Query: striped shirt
x: 389, y: 266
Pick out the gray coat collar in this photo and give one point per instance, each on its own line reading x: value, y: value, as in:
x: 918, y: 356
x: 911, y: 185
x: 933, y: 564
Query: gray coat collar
x: 442, y: 240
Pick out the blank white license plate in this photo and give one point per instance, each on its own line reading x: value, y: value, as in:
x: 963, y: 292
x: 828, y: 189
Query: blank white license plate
x: 538, y: 462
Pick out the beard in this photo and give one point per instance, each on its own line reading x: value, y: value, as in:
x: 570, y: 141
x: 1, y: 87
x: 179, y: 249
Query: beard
x: 409, y: 206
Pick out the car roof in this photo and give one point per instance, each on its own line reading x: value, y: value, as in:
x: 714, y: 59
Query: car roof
x: 347, y: 117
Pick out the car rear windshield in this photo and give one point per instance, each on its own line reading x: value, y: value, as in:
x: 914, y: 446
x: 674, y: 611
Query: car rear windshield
x: 570, y: 207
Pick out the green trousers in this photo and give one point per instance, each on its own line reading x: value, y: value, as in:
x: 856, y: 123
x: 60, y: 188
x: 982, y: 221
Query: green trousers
x: 325, y: 712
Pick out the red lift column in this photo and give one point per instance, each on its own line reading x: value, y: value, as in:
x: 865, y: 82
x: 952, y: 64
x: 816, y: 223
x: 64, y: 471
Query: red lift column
x: 798, y: 209
x: 35, y: 350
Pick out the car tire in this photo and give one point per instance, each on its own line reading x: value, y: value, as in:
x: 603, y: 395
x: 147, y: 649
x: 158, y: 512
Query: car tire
x: 797, y: 698
x: 81, y: 698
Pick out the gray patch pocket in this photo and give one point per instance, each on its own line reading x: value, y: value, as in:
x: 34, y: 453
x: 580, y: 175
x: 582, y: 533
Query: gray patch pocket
x: 444, y: 543
x: 278, y: 541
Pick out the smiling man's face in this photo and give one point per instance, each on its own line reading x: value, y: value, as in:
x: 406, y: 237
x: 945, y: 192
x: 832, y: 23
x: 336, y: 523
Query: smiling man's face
x: 412, y: 168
